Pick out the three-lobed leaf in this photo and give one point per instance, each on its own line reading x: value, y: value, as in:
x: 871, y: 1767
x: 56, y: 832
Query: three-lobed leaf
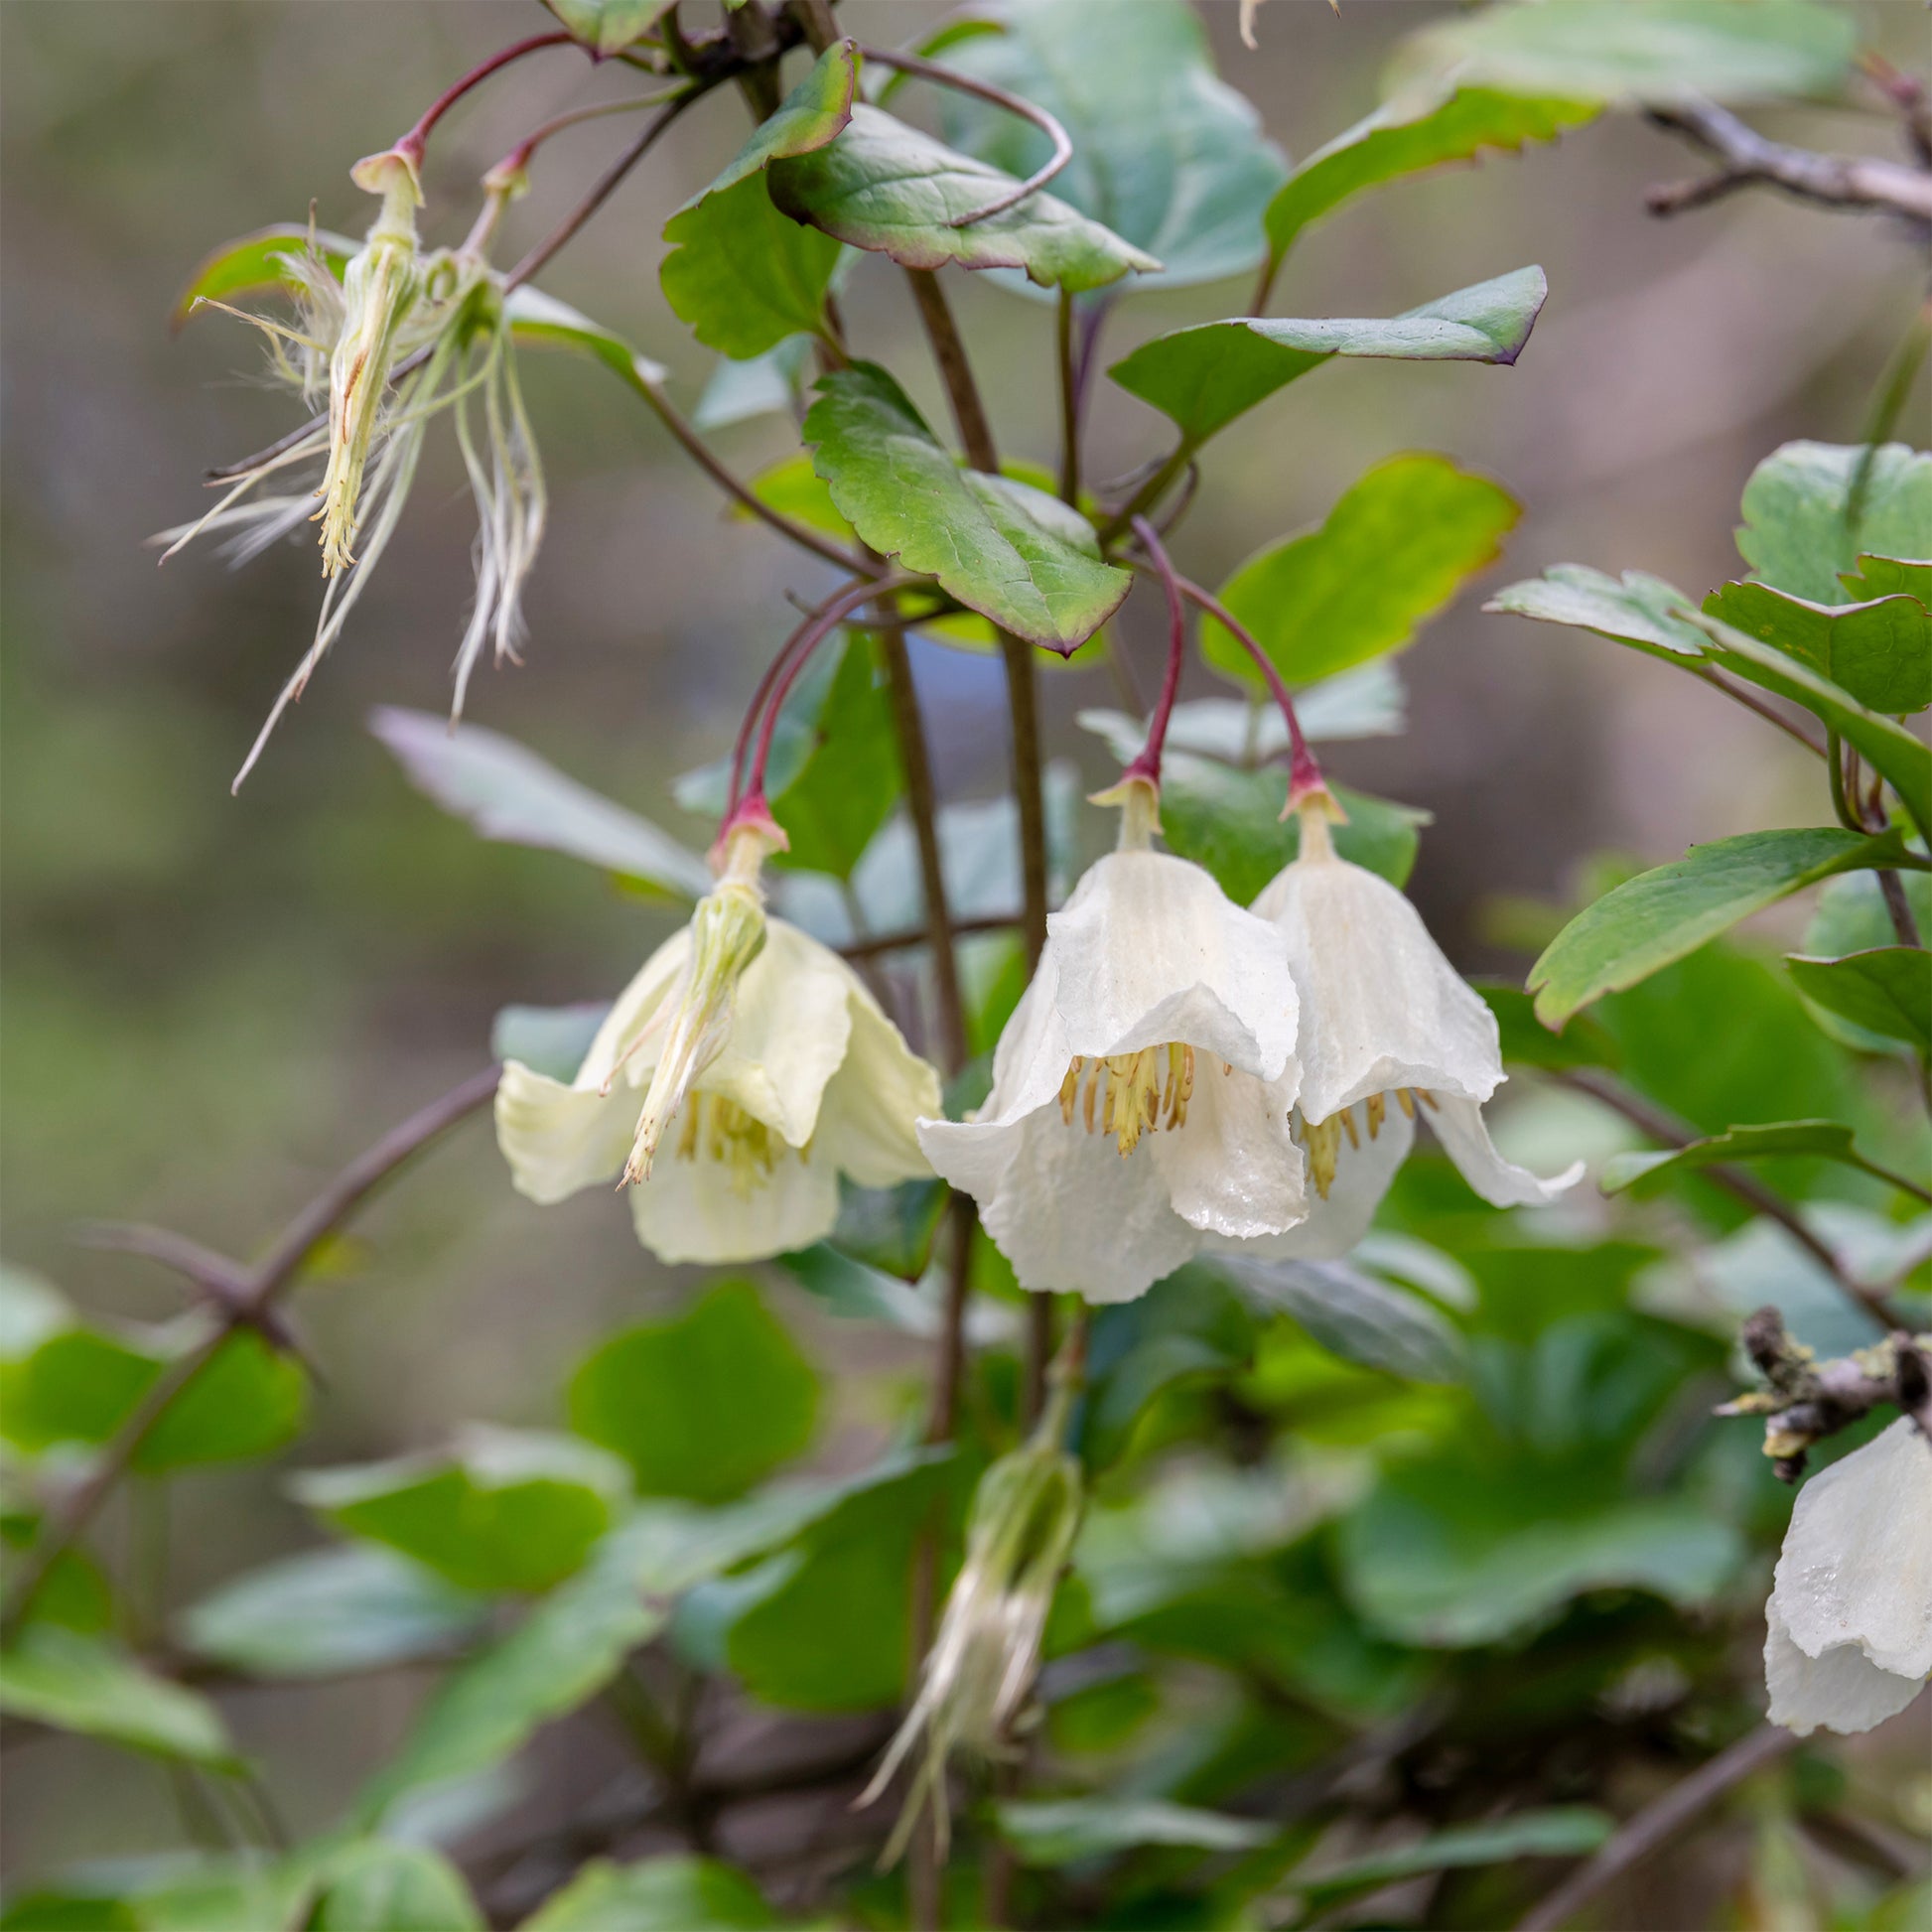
x: 1662, y: 914
x: 1013, y: 553
x: 890, y: 189
x: 1166, y: 154
x: 1879, y: 652
x: 1396, y: 548
x: 1799, y: 534
x: 1205, y: 377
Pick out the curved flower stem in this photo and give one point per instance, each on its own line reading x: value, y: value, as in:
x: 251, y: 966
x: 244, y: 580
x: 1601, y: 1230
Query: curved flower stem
x: 1146, y: 763
x: 962, y: 83
x: 413, y: 143
x: 258, y: 1289
x: 518, y: 157
x: 1738, y: 694
x: 1069, y: 376
x: 1645, y: 1830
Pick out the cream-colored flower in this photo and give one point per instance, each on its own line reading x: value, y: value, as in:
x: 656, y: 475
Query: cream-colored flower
x: 768, y: 1070
x: 1131, y: 1115
x: 1389, y: 1034
x: 1850, y: 1638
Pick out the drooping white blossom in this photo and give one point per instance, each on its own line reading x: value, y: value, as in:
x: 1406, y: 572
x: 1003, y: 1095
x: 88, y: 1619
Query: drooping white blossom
x: 1131, y: 1115
x: 768, y: 1070
x: 1390, y: 1034
x: 1850, y: 1636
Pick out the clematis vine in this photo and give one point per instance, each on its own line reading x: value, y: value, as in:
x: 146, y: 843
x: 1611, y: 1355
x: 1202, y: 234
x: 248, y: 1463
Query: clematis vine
x: 1849, y: 1641
x: 742, y: 1071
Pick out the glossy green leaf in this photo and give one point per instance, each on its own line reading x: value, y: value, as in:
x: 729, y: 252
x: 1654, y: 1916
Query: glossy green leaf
x: 508, y: 792
x: 541, y: 320
x: 1395, y: 549
x: 547, y: 1040
x: 666, y: 1895
x: 1661, y: 915
x: 74, y: 1683
x: 890, y: 189
x: 569, y: 1646
x: 1407, y: 137
x: 1527, y: 1042
x: 1165, y: 153
x: 1797, y: 534
x: 1652, y: 53
x: 849, y: 778
x: 1353, y: 1314
x: 1636, y: 609
x: 891, y: 1230
x: 1888, y: 577
x: 811, y: 116
x: 848, y: 1288
x: 1887, y: 991
x: 258, y: 261
x: 502, y: 1509
x: 1879, y: 652
x: 1205, y: 377
x: 742, y: 276
x: 606, y: 26
x: 1905, y: 762
x: 329, y: 1611
x: 377, y: 1887
x: 1065, y: 1831
x: 1853, y: 916
x: 1015, y: 554
x: 704, y: 1404
x: 1645, y: 1173
x: 1561, y: 1832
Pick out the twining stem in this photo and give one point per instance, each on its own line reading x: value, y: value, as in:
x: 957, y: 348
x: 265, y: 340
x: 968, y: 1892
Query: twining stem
x: 518, y: 158
x: 293, y: 1248
x: 1672, y: 1132
x: 413, y: 143
x: 1145, y: 762
x: 1069, y: 376
x: 1644, y: 1831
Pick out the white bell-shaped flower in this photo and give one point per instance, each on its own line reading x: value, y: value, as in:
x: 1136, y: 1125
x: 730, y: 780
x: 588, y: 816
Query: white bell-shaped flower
x: 1390, y: 1034
x: 1849, y: 1639
x: 768, y: 1070
x: 1131, y: 1114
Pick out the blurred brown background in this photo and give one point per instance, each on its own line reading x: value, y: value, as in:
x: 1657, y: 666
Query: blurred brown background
x: 210, y: 1002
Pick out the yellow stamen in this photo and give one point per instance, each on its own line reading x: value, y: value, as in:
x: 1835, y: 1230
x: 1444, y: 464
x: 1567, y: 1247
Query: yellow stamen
x: 1130, y: 1094
x: 1378, y: 1106
x: 1348, y: 1127
x: 1427, y: 1099
x: 1322, y: 1139
x: 1407, y: 1101
x: 720, y: 1130
x: 1070, y: 1090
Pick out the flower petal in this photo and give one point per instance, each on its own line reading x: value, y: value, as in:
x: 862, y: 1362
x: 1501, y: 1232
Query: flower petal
x: 1232, y: 1170
x: 688, y: 1210
x: 867, y: 1126
x: 1381, y: 1007
x: 1362, y: 1177
x: 1841, y: 1688
x: 631, y: 1012
x: 558, y: 1139
x: 1149, y: 950
x: 1857, y: 1563
x: 1459, y: 1124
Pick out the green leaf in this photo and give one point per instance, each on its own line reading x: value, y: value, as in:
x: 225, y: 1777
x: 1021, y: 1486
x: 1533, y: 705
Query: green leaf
x: 849, y: 778
x: 608, y: 25
x: 1879, y: 652
x: 376, y: 1886
x: 331, y: 1611
x: 1395, y: 549
x: 667, y: 1894
x: 547, y: 1040
x: 1636, y: 609
x: 1065, y: 1831
x: 507, y: 793
x: 704, y: 1404
x: 1888, y: 577
x: 74, y: 1683
x: 1358, y: 1317
x: 767, y: 385
x: 1886, y: 991
x: 1431, y: 1559
x: 1407, y: 137
x: 744, y: 276
x: 1205, y: 377
x: 1015, y: 554
x: 890, y: 189
x: 1649, y: 53
x: 851, y: 1290
x: 80, y: 1384
x: 1526, y: 1043
x: 741, y: 275
x: 541, y: 320
x: 1661, y: 915
x: 570, y: 1645
x: 503, y: 1509
x: 1561, y: 1832
x: 258, y: 261
x: 1165, y: 153
x: 1797, y: 534
x: 1645, y: 1173
x: 1853, y: 916
x: 1902, y: 759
